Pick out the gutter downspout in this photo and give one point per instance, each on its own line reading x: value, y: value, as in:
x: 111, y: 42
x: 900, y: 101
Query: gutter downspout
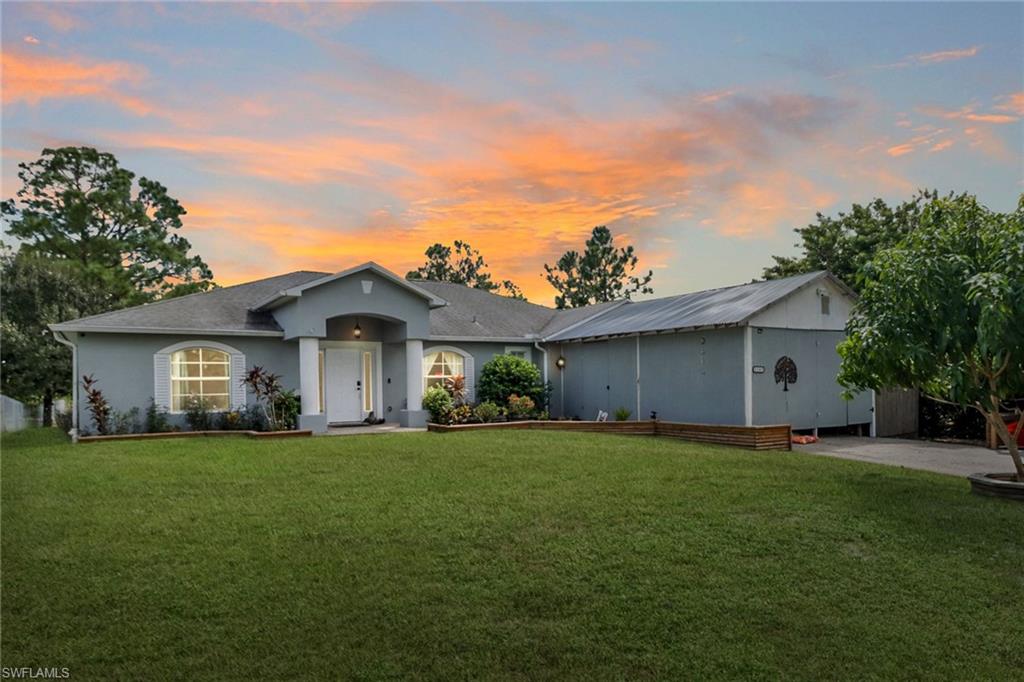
x: 544, y: 364
x: 61, y: 339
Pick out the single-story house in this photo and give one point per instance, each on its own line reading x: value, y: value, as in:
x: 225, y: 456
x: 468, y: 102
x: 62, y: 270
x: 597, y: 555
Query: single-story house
x: 365, y: 340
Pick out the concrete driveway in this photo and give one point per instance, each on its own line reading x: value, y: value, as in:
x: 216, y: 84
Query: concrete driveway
x: 958, y: 460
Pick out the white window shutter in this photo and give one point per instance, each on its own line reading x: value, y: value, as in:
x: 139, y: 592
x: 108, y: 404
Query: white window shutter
x: 470, y: 376
x: 238, y: 389
x: 162, y: 380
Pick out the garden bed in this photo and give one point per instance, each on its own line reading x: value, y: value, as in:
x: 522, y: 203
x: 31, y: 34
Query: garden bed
x: 188, y: 434
x: 775, y: 437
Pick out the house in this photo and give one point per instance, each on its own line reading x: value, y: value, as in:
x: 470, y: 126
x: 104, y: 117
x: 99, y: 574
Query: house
x: 365, y: 341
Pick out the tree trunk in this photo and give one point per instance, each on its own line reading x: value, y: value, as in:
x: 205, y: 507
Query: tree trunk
x: 1010, y: 440
x: 48, y: 407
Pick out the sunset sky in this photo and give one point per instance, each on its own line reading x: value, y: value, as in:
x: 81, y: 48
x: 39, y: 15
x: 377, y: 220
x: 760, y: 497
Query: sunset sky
x: 320, y: 136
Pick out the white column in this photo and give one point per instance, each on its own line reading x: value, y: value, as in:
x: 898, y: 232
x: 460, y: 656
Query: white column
x: 309, y: 374
x: 414, y: 375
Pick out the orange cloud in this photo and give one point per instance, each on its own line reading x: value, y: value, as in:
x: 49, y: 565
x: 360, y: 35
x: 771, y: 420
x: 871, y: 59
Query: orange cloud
x: 33, y: 78
x: 900, y: 149
x: 1012, y: 103
x: 967, y: 114
x: 941, y: 145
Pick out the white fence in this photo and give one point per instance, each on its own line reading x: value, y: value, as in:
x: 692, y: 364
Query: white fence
x: 14, y: 414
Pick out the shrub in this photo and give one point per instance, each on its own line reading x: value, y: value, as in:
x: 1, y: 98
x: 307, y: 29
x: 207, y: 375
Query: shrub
x: 287, y: 406
x: 63, y: 421
x: 156, y: 419
x: 520, y: 407
x: 622, y: 414
x: 125, y: 422
x: 233, y: 420
x: 98, y: 406
x: 487, y: 411
x: 506, y: 375
x: 438, y: 402
x: 197, y: 414
x: 463, y: 414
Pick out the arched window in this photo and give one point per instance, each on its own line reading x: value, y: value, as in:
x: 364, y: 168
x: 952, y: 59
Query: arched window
x: 203, y: 373
x: 441, y: 365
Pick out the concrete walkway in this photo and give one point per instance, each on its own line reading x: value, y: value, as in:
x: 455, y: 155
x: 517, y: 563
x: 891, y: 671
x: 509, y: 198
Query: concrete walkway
x: 357, y: 430
x: 958, y: 460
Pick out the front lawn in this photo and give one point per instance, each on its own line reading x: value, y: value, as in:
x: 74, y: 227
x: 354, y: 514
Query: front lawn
x: 510, y: 554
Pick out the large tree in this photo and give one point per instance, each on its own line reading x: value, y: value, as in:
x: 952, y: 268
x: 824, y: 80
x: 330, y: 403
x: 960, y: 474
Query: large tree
x: 844, y: 244
x: 942, y: 311
x: 37, y: 291
x: 601, y: 273
x: 461, y: 264
x: 77, y: 204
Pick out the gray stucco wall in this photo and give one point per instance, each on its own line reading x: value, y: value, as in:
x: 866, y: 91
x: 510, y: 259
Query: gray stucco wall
x: 814, y: 400
x: 681, y: 377
x: 307, y: 315
x: 123, y: 364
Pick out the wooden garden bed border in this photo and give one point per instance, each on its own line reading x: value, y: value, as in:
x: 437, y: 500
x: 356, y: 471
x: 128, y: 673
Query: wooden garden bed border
x: 196, y: 434
x: 775, y: 437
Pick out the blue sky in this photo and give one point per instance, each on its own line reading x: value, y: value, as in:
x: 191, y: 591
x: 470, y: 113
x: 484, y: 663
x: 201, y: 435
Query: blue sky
x: 322, y: 135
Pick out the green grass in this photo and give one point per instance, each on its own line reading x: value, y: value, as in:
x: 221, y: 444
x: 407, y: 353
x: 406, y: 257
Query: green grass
x: 498, y: 555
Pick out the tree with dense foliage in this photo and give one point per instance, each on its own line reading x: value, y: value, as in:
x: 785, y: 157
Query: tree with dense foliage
x: 943, y: 311
x: 37, y: 291
x: 78, y: 205
x: 601, y: 273
x: 461, y: 264
x: 844, y: 244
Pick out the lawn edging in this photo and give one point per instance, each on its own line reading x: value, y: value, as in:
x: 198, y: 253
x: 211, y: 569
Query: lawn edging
x: 774, y: 437
x: 195, y: 434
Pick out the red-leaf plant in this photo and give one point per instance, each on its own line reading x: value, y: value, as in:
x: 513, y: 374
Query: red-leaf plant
x: 97, y: 403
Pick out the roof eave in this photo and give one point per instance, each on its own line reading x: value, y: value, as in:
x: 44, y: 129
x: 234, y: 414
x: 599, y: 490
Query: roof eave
x: 112, y: 329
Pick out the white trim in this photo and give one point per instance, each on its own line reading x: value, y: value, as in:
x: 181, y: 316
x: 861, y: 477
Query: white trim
x: 70, y: 327
x: 468, y: 368
x: 162, y: 392
x: 296, y: 291
x: 748, y: 376
x: 485, y: 339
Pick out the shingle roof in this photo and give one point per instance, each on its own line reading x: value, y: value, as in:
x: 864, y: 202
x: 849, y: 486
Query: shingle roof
x: 470, y: 313
x: 226, y: 309
x: 714, y: 307
x: 473, y: 313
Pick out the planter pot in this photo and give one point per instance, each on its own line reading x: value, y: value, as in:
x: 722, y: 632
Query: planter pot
x: 997, y: 485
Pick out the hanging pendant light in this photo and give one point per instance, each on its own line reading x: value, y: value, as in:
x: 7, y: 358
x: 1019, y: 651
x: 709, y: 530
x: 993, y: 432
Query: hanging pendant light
x: 357, y: 331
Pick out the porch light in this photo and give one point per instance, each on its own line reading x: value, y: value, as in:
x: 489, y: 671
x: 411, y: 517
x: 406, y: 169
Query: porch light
x: 560, y: 362
x: 357, y: 331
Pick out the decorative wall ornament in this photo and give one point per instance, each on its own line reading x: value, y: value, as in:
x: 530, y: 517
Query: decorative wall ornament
x: 785, y: 372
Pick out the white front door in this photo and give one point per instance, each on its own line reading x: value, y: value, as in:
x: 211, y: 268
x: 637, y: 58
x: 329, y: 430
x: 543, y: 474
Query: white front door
x: 343, y: 385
